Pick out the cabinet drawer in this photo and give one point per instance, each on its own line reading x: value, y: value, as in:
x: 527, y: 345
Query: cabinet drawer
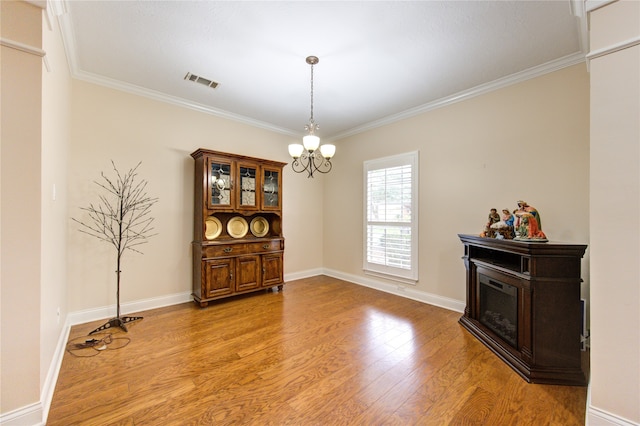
x: 264, y: 246
x: 224, y: 250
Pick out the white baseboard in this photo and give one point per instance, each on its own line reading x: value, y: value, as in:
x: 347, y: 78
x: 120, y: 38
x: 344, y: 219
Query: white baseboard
x: 94, y: 314
x: 31, y: 414
x: 36, y: 414
x: 50, y: 381
x: 598, y: 417
x: 401, y: 290
x: 303, y: 274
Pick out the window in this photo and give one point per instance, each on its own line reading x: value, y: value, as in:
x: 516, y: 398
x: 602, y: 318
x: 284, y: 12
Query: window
x: 391, y: 217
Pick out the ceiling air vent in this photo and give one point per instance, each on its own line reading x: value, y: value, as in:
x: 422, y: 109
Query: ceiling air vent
x: 201, y: 80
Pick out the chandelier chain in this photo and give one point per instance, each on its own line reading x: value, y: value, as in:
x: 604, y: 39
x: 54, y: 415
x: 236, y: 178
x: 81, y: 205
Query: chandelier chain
x: 311, y: 119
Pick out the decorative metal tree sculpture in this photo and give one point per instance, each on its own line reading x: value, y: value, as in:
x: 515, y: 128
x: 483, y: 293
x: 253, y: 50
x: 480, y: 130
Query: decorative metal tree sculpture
x: 121, y: 218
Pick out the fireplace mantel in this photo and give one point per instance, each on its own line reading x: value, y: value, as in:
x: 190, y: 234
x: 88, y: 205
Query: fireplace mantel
x: 545, y: 347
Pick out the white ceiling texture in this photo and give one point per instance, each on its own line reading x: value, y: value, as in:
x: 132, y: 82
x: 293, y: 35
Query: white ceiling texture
x: 380, y: 61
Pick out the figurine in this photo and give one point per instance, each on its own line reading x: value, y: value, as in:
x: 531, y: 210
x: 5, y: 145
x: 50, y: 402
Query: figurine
x: 528, y: 225
x: 507, y: 217
x: 504, y: 228
x: 523, y: 207
x: 493, y: 218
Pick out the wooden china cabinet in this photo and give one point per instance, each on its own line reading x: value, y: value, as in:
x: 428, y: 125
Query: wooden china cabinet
x: 237, y: 234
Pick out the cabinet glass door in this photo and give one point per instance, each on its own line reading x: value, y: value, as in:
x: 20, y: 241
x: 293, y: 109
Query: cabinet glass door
x: 271, y: 184
x: 248, y: 195
x: 220, y: 184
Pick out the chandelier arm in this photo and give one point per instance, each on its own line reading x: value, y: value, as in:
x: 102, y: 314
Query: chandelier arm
x: 322, y: 165
x: 327, y: 164
x: 301, y: 164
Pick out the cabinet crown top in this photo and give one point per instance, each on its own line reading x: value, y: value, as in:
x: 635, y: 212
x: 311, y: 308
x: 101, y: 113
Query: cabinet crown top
x: 203, y: 152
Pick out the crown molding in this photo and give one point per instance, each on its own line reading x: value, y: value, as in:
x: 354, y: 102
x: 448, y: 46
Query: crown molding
x: 67, y: 34
x: 174, y: 100
x: 482, y: 89
x: 578, y: 9
x: 57, y: 7
x: 615, y: 47
x: 591, y: 5
x: 22, y: 47
x: 68, y: 38
x: 519, y: 77
x: 42, y: 4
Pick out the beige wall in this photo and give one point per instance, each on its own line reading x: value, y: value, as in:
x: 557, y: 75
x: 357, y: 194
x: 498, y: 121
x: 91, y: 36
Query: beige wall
x: 20, y: 228
x: 113, y: 125
x: 528, y: 141
x: 56, y: 135
x: 615, y: 238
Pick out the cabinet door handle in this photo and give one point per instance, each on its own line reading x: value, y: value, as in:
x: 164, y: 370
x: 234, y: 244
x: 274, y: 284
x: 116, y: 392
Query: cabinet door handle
x: 266, y: 246
x: 228, y: 249
x: 231, y: 276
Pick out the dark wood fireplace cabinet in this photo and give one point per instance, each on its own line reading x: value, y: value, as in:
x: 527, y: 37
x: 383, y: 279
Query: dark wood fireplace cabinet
x: 523, y: 302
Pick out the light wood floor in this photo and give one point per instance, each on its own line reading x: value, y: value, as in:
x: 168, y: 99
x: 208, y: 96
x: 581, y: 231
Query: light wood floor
x: 322, y: 352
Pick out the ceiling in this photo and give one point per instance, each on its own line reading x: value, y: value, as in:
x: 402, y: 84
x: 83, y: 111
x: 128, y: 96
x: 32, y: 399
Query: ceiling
x: 379, y: 60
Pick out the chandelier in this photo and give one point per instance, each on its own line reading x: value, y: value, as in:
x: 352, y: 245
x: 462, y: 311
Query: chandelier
x: 306, y: 156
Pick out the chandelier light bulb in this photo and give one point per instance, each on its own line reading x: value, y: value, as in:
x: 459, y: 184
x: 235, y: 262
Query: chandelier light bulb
x: 311, y: 142
x: 295, y: 150
x: 327, y: 151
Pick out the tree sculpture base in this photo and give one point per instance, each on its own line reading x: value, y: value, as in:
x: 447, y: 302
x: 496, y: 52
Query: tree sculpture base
x: 116, y: 322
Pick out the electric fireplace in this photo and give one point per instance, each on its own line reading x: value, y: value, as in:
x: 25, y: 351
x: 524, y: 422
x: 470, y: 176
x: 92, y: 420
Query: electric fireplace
x: 499, y: 308
x: 523, y: 303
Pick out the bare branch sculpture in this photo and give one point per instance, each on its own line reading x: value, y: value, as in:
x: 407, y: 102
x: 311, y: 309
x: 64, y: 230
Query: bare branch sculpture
x: 122, y: 218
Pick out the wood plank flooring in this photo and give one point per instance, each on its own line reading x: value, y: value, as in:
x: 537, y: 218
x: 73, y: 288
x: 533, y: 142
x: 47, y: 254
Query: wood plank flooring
x: 321, y: 352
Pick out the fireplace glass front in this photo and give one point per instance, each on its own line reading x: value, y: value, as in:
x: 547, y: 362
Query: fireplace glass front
x: 499, y: 308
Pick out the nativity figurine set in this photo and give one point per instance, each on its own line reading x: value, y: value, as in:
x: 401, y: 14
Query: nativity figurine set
x: 523, y: 224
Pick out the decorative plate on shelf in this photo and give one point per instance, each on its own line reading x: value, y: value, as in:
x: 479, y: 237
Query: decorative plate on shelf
x: 212, y: 228
x: 237, y: 227
x: 259, y: 226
